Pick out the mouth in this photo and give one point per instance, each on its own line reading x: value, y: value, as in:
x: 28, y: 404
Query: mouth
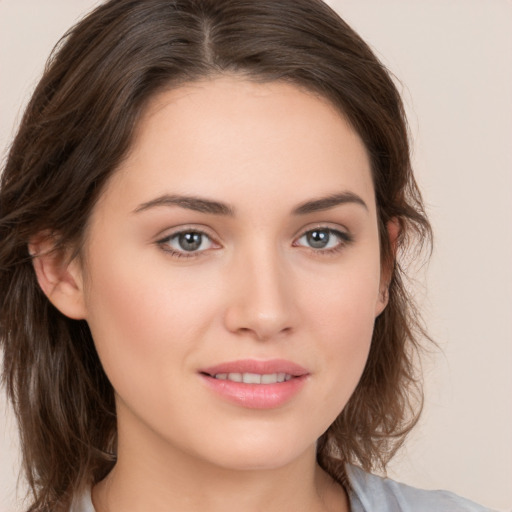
x: 253, y: 378
x: 256, y: 384
x: 252, y: 371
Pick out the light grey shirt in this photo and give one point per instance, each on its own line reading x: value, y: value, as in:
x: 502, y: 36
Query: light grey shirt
x: 371, y: 493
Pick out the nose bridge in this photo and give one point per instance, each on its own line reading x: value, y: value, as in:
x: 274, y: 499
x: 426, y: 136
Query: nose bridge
x: 260, y: 300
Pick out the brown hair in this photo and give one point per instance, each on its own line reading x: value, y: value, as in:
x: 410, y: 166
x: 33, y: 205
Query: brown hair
x: 75, y: 131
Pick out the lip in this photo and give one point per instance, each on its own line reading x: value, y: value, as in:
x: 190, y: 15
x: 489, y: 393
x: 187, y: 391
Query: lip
x: 256, y: 396
x: 257, y: 366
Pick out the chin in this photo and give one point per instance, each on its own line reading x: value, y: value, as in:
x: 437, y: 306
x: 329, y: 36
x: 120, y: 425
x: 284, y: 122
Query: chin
x: 261, y: 454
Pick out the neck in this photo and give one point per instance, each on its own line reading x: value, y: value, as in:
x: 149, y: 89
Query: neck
x: 154, y: 476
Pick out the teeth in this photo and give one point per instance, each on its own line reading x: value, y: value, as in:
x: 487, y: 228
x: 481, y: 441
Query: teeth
x: 254, y: 378
x: 270, y: 378
x: 251, y: 378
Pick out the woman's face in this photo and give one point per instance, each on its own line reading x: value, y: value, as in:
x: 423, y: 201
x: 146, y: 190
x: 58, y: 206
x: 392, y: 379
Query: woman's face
x: 237, y: 241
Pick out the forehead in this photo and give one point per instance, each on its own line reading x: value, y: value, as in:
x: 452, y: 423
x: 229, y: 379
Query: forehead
x: 233, y: 138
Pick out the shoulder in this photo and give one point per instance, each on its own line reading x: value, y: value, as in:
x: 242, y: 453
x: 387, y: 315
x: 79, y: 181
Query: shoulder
x: 371, y: 493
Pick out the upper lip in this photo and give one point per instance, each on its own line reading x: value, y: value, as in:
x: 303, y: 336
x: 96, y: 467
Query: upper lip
x: 257, y: 366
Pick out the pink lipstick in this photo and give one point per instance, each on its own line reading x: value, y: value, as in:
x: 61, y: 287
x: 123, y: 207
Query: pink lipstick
x: 256, y: 384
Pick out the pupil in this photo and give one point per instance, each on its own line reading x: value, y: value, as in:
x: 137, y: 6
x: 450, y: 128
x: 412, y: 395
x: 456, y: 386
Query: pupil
x: 190, y: 241
x: 318, y: 238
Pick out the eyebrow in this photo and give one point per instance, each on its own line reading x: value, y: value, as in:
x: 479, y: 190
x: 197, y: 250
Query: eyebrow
x: 197, y: 204
x: 203, y: 205
x: 328, y: 202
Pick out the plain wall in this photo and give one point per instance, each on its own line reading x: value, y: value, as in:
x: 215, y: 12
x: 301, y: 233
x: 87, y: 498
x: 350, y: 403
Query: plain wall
x: 454, y: 59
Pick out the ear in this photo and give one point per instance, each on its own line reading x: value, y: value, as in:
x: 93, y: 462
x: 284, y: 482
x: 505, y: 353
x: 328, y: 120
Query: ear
x: 393, y: 229
x: 59, y: 276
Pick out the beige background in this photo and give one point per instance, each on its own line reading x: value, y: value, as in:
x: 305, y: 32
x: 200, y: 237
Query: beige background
x: 455, y: 59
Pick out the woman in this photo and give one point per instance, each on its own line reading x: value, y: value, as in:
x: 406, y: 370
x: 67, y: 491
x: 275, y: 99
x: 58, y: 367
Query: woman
x: 201, y: 303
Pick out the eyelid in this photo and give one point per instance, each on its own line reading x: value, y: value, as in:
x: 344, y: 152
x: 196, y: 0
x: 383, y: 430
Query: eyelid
x: 161, y: 241
x: 185, y: 228
x: 336, y: 228
x: 343, y: 234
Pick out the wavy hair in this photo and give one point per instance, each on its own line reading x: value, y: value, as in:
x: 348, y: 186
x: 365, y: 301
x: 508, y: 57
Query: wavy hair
x: 77, y: 128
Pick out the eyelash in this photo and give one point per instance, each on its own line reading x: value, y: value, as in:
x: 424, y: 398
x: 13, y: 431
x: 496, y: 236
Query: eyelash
x: 344, y: 239
x: 164, y: 243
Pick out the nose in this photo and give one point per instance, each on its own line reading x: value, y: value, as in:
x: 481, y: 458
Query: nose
x: 260, y: 298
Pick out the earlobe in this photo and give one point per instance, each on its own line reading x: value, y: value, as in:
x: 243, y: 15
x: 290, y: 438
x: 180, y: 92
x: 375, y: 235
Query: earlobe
x: 393, y: 229
x: 59, y: 277
x: 383, y: 299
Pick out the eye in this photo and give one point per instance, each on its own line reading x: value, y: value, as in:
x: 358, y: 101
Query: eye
x: 324, y: 239
x: 184, y: 242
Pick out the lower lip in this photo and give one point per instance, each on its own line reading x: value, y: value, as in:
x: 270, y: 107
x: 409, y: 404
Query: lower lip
x: 256, y: 396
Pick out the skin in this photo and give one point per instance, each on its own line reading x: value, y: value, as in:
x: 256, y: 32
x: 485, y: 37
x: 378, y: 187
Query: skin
x: 255, y: 289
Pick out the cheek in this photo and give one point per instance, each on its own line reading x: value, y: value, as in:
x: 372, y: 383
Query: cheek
x: 141, y: 317
x: 344, y: 299
x: 340, y: 314
x: 344, y: 323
